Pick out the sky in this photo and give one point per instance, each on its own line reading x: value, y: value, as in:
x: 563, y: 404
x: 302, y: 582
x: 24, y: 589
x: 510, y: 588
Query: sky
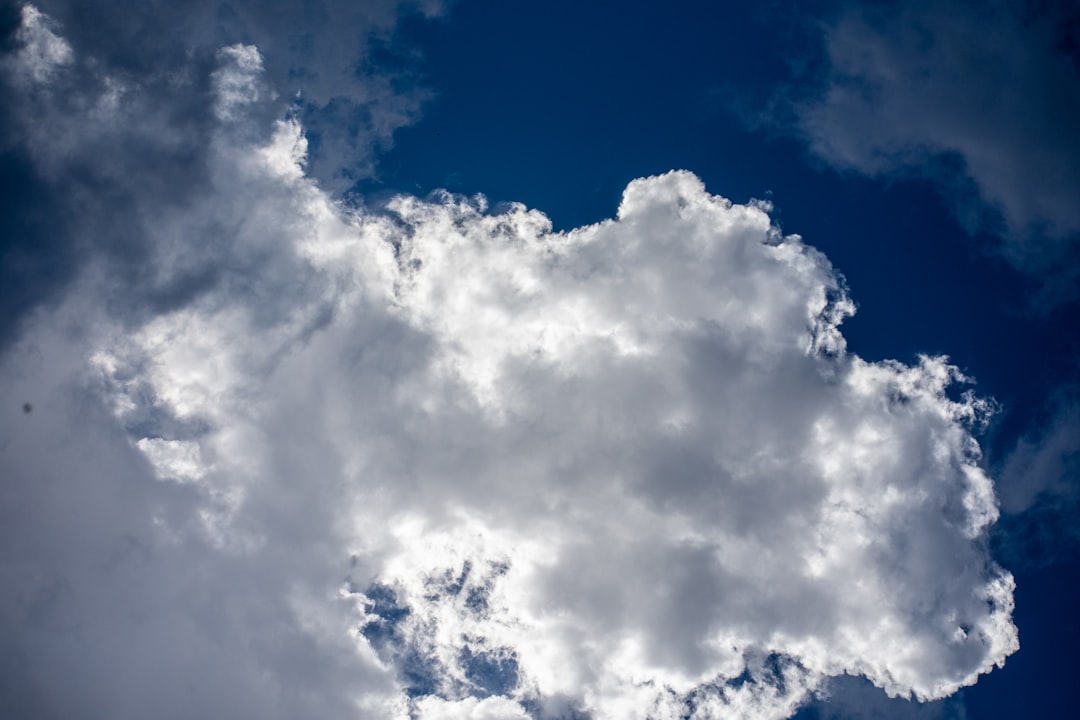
x: 481, y: 360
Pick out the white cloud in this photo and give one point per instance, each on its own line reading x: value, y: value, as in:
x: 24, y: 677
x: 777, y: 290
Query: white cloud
x: 967, y: 94
x: 629, y: 469
x: 118, y: 605
x: 492, y: 708
x: 173, y: 459
x: 41, y: 52
x: 237, y: 81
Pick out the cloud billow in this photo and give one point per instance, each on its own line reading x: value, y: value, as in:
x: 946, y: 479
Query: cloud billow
x: 438, y: 461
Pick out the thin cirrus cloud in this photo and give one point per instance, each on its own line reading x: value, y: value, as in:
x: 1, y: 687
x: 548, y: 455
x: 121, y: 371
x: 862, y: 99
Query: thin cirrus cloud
x: 437, y: 461
x: 982, y: 98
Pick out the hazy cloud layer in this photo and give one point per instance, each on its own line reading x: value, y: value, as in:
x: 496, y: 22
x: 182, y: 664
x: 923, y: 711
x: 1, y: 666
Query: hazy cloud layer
x: 983, y: 98
x: 435, y: 461
x: 95, y: 151
x: 317, y: 53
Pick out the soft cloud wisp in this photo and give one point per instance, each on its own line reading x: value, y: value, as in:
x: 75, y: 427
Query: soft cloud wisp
x: 982, y: 98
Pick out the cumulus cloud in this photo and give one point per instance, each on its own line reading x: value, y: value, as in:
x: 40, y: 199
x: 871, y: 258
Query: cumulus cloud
x: 438, y: 461
x: 980, y: 97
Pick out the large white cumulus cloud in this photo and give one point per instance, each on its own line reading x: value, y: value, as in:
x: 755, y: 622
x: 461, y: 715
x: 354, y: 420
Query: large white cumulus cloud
x: 441, y: 462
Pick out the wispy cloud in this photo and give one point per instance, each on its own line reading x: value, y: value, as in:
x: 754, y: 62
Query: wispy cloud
x: 95, y: 150
x: 981, y: 98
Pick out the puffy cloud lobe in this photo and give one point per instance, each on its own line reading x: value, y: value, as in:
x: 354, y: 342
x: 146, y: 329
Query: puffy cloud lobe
x: 982, y: 97
x: 444, y: 462
x: 702, y: 457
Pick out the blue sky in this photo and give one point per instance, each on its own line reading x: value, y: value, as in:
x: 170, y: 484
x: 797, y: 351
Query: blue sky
x: 369, y: 359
